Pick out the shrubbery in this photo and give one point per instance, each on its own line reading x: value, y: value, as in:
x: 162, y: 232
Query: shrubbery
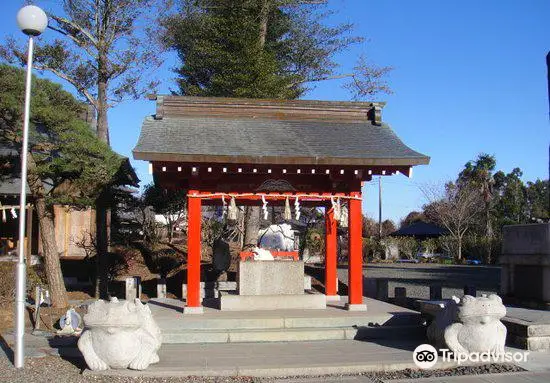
x: 35, y: 277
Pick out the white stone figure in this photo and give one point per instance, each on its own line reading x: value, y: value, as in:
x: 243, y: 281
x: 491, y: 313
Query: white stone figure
x: 479, y: 328
x: 262, y: 254
x: 70, y: 323
x: 119, y: 335
x: 279, y: 237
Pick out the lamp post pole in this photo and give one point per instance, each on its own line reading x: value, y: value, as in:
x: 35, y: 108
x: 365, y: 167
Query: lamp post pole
x: 32, y: 21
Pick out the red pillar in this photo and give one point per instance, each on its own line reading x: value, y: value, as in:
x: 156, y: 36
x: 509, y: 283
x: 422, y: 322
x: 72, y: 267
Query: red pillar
x: 355, y: 256
x: 331, y: 290
x: 193, y: 254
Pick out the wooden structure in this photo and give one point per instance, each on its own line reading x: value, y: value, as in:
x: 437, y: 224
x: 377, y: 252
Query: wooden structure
x: 313, y: 153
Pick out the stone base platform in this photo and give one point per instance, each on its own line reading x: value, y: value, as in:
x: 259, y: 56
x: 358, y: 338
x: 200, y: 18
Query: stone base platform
x: 233, y: 302
x: 527, y: 328
x: 381, y: 321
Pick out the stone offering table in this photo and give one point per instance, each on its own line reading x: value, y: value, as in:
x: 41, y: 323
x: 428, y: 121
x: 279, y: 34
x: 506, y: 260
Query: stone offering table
x: 271, y: 285
x: 271, y: 277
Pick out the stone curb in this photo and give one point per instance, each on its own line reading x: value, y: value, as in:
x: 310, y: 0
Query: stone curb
x: 470, y: 377
x: 268, y: 371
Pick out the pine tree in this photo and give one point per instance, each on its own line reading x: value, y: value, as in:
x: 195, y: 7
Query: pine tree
x: 64, y: 152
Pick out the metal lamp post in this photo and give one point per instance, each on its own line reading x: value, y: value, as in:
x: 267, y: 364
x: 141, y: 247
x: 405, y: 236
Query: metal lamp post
x: 32, y: 21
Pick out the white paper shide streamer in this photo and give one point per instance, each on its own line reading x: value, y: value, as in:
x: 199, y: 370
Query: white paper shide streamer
x: 288, y: 213
x: 232, y: 211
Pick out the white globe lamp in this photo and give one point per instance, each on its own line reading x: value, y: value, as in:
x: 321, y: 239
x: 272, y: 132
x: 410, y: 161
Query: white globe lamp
x: 32, y: 20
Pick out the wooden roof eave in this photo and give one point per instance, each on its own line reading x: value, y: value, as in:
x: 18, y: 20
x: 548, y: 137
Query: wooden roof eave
x: 277, y: 160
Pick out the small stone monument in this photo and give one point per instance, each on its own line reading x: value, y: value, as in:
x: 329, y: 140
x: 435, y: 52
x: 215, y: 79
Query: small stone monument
x: 119, y: 334
x: 161, y: 288
x: 133, y: 288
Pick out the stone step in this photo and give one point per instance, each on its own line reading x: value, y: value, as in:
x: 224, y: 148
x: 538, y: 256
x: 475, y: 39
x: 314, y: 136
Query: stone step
x: 200, y: 323
x: 291, y: 334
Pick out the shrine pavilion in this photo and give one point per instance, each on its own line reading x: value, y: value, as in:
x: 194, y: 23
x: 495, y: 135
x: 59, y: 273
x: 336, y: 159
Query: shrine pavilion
x: 272, y: 152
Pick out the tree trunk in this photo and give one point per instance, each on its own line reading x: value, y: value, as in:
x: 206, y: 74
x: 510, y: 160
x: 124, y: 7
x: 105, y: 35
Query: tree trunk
x: 54, y: 275
x: 170, y: 230
x: 102, y: 209
x: 489, y: 234
x: 264, y: 16
x: 102, y: 107
x: 252, y: 226
x: 459, y: 250
x: 102, y: 248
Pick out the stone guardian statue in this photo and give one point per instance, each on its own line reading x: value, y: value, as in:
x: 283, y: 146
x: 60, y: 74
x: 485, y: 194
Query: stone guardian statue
x: 119, y: 334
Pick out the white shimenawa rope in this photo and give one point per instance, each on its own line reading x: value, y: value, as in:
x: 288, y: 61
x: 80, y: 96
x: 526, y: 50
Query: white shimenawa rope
x: 268, y: 195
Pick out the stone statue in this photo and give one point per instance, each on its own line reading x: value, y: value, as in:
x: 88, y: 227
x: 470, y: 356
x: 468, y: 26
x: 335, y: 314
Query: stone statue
x: 479, y: 328
x: 119, y: 335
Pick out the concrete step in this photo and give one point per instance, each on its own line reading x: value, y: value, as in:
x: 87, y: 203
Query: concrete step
x: 200, y: 323
x: 528, y: 329
x: 291, y: 334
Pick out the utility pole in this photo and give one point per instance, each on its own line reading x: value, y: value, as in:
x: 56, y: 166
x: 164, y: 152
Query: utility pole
x: 380, y: 207
x: 548, y: 77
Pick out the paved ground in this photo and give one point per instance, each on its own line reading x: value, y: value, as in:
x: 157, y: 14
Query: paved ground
x: 416, y: 278
x: 281, y: 359
x: 347, y: 361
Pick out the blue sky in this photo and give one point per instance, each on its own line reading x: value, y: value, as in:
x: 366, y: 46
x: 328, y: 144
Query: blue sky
x: 469, y: 77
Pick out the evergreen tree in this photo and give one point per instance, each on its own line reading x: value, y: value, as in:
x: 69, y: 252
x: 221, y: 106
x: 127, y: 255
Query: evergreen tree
x: 64, y: 152
x: 262, y: 49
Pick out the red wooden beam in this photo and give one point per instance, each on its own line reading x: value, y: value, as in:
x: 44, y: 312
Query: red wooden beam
x: 331, y: 290
x: 194, y: 253
x: 355, y: 262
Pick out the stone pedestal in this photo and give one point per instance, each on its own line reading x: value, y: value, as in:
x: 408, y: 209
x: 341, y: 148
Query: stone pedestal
x: 525, y: 260
x: 271, y: 278
x: 271, y: 285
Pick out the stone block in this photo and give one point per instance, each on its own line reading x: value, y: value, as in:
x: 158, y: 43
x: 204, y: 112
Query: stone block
x: 271, y: 278
x: 470, y: 290
x: 400, y: 296
x: 307, y: 282
x: 230, y: 302
x: 193, y: 310
x: 211, y: 289
x: 525, y: 260
x: 356, y: 307
x: 382, y: 289
x: 526, y: 239
x: 132, y: 288
x: 161, y: 288
x: 435, y: 292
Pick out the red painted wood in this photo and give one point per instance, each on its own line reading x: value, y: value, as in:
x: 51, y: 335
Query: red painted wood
x: 355, y: 262
x: 330, y: 253
x: 194, y: 251
x: 276, y: 254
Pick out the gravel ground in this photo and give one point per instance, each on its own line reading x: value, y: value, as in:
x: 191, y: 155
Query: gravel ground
x: 55, y: 369
x: 416, y: 278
